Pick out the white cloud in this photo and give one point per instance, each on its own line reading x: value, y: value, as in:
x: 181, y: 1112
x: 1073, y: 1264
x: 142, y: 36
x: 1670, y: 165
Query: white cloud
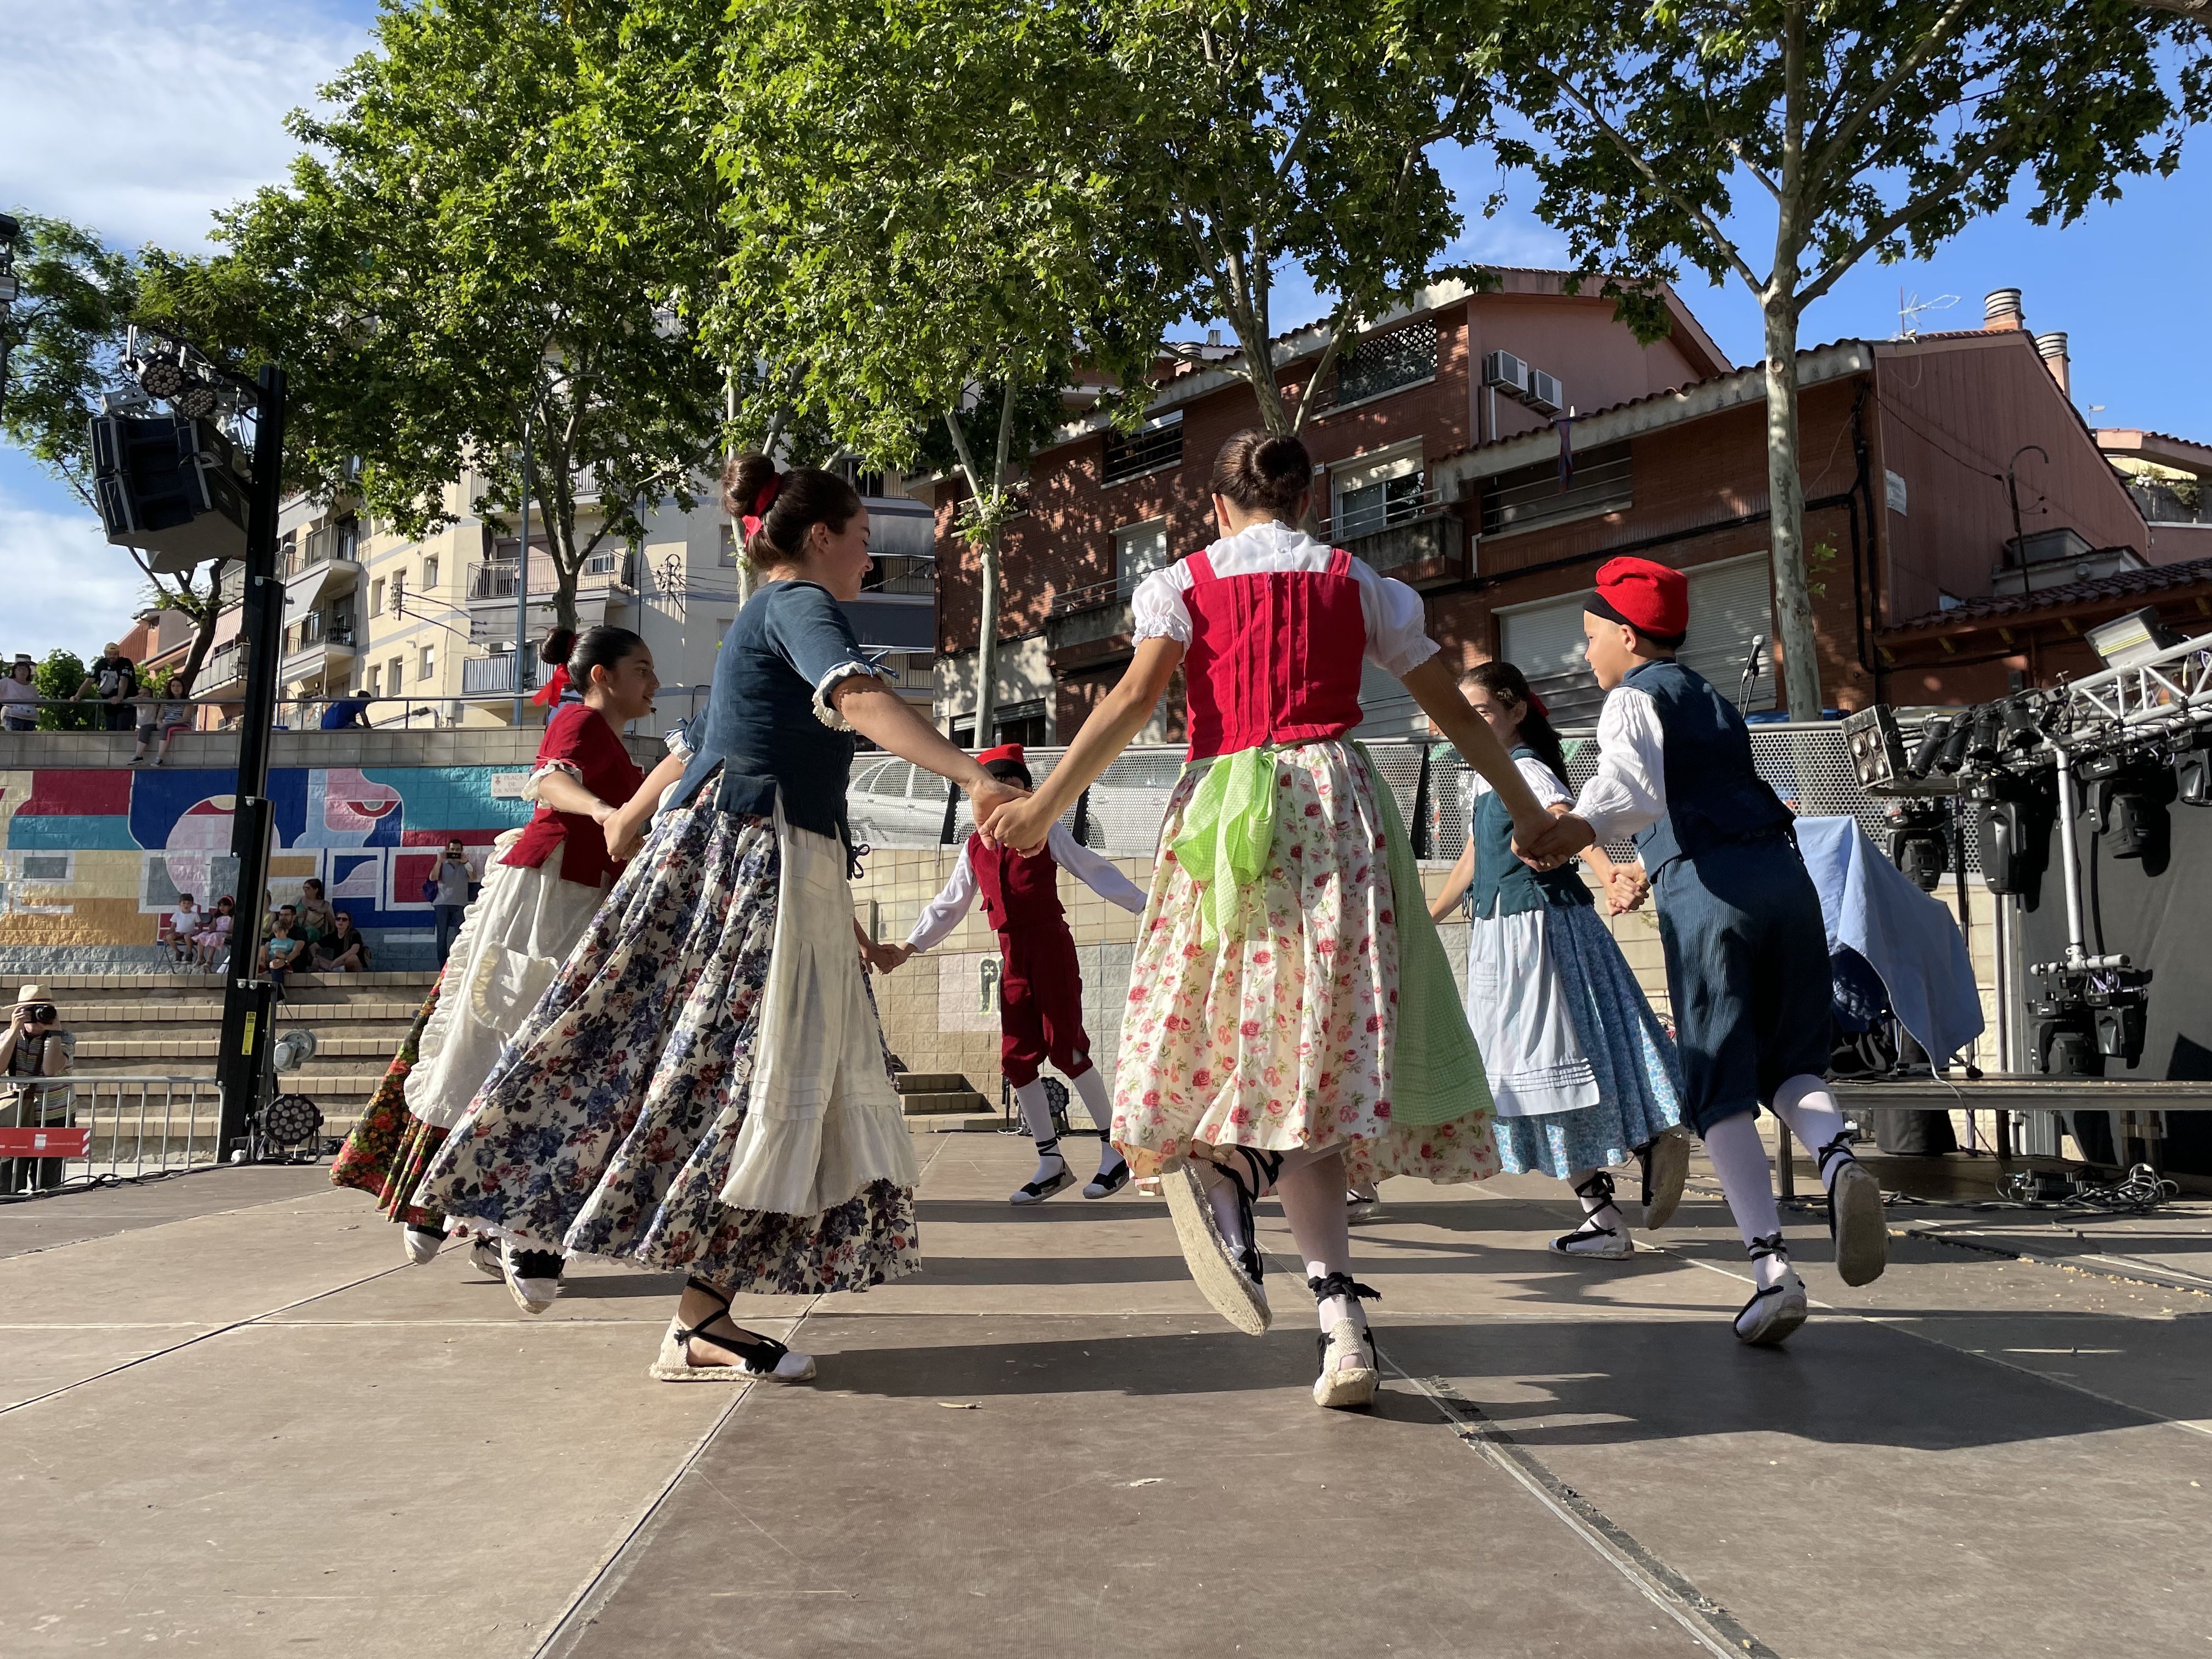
x: 138, y: 118
x: 65, y: 586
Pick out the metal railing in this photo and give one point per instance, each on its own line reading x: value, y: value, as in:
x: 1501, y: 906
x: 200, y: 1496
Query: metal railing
x: 1347, y: 527
x: 1149, y: 449
x: 495, y: 578
x: 328, y: 542
x: 319, y: 628
x: 139, y: 1125
x: 1094, y: 596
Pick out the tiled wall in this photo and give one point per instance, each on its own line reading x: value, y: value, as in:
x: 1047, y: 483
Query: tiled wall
x: 94, y: 851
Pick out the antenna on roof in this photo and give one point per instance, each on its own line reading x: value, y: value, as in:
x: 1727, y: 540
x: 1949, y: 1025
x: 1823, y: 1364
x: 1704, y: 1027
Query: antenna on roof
x: 1908, y: 311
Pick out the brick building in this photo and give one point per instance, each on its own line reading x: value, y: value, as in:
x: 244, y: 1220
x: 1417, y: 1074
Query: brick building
x: 1439, y: 458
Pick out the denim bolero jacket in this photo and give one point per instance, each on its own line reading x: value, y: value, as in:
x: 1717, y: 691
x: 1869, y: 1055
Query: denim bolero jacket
x: 768, y: 725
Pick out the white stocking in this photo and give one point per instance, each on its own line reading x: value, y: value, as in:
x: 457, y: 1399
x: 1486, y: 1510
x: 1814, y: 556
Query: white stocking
x: 1091, y: 1090
x: 1312, y: 1203
x: 1807, y: 1105
x: 1739, y: 1158
x: 1036, y: 1116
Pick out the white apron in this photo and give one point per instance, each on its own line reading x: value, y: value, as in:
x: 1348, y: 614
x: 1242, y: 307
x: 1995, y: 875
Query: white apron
x: 513, y: 939
x: 822, y: 1122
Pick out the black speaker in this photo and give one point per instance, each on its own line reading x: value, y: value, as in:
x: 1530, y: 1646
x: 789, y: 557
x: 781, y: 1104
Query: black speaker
x: 169, y: 487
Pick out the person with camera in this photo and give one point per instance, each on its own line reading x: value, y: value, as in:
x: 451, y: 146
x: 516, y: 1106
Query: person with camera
x: 33, y: 1046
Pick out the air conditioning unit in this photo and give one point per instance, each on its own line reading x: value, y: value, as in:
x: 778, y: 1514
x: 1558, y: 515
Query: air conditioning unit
x: 1542, y: 394
x: 1506, y: 372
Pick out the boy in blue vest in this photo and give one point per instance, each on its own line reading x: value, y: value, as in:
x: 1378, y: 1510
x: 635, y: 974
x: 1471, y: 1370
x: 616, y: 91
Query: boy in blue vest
x: 1739, y: 922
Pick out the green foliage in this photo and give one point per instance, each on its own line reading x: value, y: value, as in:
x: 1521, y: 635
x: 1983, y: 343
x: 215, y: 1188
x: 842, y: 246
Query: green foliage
x: 1247, y: 135
x: 59, y: 676
x: 1819, y: 564
x: 66, y: 332
x: 1871, y: 126
x: 490, y: 230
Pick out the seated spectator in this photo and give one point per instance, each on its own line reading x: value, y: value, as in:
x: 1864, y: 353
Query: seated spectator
x: 19, y: 696
x: 345, y: 951
x: 212, y: 939
x: 165, y: 711
x: 178, y: 927
x: 314, y: 912
x: 346, y: 711
x: 284, y: 949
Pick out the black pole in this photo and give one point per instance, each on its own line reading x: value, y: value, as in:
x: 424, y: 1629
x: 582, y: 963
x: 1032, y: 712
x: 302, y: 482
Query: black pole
x: 248, y: 996
x: 1422, y: 841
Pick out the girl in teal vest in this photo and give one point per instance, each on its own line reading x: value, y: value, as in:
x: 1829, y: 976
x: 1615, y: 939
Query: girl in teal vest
x: 1581, y: 1074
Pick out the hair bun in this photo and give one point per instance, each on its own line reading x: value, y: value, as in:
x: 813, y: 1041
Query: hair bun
x: 556, y: 646
x: 743, y: 480
x: 1262, y: 473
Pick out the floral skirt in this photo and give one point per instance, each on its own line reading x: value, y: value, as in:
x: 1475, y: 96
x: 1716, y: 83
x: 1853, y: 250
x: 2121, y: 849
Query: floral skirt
x: 1278, y: 1035
x: 385, y: 1155
x: 607, y: 1126
x: 1612, y: 1039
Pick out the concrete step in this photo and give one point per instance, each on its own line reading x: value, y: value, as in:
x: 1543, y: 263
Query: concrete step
x: 933, y: 1083
x: 92, y: 1054
x: 54, y: 984
x: 294, y: 1011
x: 951, y: 1100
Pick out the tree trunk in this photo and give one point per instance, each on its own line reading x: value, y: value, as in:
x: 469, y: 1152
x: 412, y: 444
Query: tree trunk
x: 1785, y: 490
x: 202, y: 640
x: 986, y: 646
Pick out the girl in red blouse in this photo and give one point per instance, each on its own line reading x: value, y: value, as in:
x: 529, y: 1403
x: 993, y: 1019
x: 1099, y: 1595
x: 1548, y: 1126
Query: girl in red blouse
x: 539, y: 895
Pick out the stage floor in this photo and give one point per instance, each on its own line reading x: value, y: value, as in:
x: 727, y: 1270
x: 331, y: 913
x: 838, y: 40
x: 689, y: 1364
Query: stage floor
x: 231, y: 1423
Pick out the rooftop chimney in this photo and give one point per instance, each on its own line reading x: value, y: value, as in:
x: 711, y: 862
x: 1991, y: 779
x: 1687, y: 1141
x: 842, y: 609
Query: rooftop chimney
x: 2053, y: 348
x: 2000, y: 309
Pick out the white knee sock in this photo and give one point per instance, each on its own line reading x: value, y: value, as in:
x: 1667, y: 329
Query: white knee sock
x: 1091, y: 1090
x: 1809, y: 1107
x: 1036, y: 1115
x: 1739, y: 1158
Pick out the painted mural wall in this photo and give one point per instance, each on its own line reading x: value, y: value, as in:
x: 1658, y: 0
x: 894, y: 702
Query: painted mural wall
x: 96, y: 857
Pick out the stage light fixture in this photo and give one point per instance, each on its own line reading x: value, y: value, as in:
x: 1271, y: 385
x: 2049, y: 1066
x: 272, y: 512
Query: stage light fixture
x: 162, y: 377
x: 195, y: 402
x: 291, y: 1120
x: 2136, y: 637
x: 292, y: 1050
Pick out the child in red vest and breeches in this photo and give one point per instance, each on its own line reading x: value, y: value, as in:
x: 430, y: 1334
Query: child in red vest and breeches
x: 1040, y: 988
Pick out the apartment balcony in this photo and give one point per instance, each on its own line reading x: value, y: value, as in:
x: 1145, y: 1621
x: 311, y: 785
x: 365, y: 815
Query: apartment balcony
x: 318, y: 568
x: 224, y: 670
x: 319, y: 648
x: 607, y: 582
x: 1089, y: 624
x: 1424, y: 547
x: 488, y: 677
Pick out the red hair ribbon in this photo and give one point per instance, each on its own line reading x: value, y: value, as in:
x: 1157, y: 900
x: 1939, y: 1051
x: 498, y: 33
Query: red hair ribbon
x: 1537, y: 703
x: 555, y: 684
x: 766, y: 499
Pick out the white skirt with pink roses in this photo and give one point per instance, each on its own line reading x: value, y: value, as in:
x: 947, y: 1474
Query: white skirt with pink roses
x: 1280, y: 1034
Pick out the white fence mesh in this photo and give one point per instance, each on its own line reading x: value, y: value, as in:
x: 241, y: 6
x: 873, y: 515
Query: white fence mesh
x: 894, y: 804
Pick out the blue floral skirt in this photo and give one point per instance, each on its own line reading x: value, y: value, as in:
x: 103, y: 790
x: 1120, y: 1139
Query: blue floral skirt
x: 608, y: 1125
x: 1638, y: 1075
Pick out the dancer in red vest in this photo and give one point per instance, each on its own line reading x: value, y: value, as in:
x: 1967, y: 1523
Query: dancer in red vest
x: 1040, y: 987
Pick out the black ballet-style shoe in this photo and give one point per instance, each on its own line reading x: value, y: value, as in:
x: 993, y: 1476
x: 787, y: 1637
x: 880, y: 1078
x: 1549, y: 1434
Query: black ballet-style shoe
x: 1856, y: 1221
x: 1666, y: 1165
x: 1767, y: 1320
x: 757, y: 1356
x: 1035, y: 1192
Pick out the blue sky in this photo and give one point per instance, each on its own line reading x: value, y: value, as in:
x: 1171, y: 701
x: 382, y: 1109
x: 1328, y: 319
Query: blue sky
x: 140, y: 117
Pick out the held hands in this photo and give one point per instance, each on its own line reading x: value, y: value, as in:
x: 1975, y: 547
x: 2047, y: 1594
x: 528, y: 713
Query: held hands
x: 625, y: 829
x: 887, y: 958
x: 1552, y: 846
x: 1022, y: 824
x: 1626, y: 888
x: 991, y: 798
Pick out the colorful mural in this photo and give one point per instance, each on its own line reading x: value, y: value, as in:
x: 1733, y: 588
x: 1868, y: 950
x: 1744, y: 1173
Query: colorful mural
x: 96, y: 857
